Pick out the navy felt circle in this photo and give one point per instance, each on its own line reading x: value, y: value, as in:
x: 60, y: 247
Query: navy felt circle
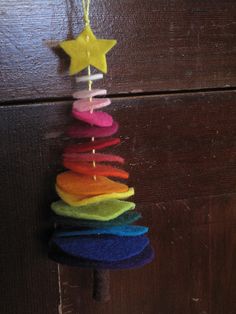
x: 102, y: 248
x: 145, y: 257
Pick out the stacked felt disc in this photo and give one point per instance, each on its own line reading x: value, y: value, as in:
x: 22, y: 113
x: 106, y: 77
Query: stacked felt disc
x: 93, y: 213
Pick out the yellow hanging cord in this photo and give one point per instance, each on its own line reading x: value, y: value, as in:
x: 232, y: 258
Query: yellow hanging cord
x: 86, y: 6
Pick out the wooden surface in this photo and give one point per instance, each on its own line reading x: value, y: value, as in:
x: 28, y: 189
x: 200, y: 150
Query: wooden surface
x: 172, y: 78
x: 29, y: 282
x: 162, y: 45
x: 181, y: 152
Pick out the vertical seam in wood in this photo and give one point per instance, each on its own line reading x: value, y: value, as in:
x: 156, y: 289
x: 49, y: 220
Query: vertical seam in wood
x: 210, y: 258
x: 59, y: 289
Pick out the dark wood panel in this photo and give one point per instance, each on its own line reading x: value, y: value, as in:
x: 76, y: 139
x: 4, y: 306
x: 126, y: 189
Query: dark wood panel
x: 181, y: 153
x: 29, y: 281
x: 179, y: 146
x: 194, y: 269
x: 162, y: 45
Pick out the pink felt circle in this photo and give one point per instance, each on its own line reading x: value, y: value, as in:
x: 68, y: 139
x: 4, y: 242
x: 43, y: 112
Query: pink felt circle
x: 98, y: 118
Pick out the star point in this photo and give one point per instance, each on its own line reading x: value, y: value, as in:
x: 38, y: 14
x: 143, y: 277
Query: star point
x: 87, y: 50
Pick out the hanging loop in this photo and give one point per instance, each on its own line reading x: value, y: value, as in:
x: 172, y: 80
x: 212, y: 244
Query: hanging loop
x: 86, y: 5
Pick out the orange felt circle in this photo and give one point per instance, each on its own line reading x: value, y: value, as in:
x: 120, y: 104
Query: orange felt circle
x: 100, y: 170
x: 78, y: 184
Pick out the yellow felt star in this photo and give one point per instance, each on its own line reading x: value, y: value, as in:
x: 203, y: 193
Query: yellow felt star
x: 87, y: 50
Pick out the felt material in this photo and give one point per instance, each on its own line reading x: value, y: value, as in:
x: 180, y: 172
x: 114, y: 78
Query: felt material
x: 78, y: 184
x: 139, y: 260
x: 104, y: 210
x: 89, y: 170
x: 87, y: 50
x: 87, y: 105
x: 91, y: 77
x: 107, y: 248
x: 85, y: 131
x: 97, y: 157
x: 85, y: 93
x: 127, y: 231
x: 97, y: 118
x: 89, y: 146
x: 126, y: 218
x: 77, y: 200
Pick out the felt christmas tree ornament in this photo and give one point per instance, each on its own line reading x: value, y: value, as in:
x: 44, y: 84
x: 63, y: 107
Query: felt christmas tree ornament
x: 93, y: 218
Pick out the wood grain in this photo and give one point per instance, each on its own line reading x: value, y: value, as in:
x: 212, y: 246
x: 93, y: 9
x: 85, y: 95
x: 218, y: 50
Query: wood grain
x: 193, y: 271
x: 162, y: 45
x: 181, y: 153
x: 29, y: 281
